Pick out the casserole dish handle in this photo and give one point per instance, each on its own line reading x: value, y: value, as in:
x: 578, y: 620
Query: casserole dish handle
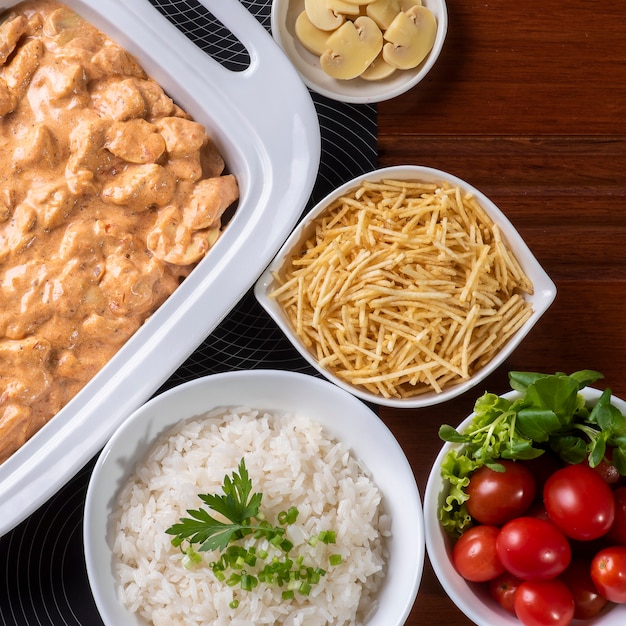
x: 268, y: 63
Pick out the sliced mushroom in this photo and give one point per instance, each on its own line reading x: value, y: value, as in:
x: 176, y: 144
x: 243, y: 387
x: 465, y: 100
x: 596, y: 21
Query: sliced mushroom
x: 383, y: 12
x: 351, y: 48
x: 343, y: 7
x: 405, y: 5
x: 322, y: 16
x: 311, y: 37
x: 410, y: 37
x: 378, y: 69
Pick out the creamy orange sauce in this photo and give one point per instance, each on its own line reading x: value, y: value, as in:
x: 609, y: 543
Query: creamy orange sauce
x: 109, y: 195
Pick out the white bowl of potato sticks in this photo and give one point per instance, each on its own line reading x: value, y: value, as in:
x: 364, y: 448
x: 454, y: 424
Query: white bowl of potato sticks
x: 406, y: 286
x: 254, y: 497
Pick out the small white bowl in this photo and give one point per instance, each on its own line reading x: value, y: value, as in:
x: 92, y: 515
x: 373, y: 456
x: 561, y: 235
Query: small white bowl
x: 357, y: 90
x: 343, y: 416
x: 473, y: 600
x: 541, y: 299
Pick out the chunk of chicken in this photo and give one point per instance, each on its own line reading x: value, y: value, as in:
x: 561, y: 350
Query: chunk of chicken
x: 118, y: 99
x: 32, y: 354
x: 172, y: 241
x: 113, y: 59
x: 10, y: 32
x: 129, y: 285
x: 53, y: 203
x: 39, y: 147
x: 211, y: 159
x: 181, y: 136
x: 210, y: 198
x: 19, y: 71
x: 140, y: 187
x: 87, y: 155
x: 158, y: 103
x: 63, y: 80
x: 135, y: 141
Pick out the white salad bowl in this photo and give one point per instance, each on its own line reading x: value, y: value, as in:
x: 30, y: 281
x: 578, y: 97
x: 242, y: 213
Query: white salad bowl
x: 472, y: 599
x: 342, y: 416
x: 356, y: 90
x: 542, y: 297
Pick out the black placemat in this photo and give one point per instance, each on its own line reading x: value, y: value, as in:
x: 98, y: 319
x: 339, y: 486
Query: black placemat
x: 43, y: 579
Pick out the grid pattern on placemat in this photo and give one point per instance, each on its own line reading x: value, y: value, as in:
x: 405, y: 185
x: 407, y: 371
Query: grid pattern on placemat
x: 43, y: 580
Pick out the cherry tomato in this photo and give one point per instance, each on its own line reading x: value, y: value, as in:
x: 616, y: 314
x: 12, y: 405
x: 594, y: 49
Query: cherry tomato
x: 579, y: 502
x: 587, y: 601
x: 497, y: 497
x: 544, y: 603
x: 503, y: 588
x: 617, y: 533
x: 533, y: 549
x: 607, y: 470
x: 474, y: 554
x: 608, y: 572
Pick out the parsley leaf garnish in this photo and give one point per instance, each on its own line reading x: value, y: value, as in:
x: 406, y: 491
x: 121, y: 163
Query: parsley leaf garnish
x: 237, y: 504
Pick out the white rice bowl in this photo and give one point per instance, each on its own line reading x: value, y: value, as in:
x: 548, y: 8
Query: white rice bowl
x: 306, y: 443
x: 293, y: 462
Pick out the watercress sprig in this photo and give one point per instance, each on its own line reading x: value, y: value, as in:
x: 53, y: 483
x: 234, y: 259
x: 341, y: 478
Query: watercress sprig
x: 550, y: 414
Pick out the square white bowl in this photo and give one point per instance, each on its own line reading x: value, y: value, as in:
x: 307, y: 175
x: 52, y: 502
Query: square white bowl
x: 542, y: 297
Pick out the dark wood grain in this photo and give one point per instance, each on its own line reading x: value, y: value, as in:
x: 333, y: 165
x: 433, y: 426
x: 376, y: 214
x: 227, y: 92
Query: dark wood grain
x: 527, y: 103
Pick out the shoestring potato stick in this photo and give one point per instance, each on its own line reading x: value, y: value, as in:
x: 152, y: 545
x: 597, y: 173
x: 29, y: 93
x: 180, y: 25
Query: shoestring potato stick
x: 403, y: 287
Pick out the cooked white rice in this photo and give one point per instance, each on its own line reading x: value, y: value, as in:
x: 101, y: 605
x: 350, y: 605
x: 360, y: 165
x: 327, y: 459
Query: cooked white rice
x: 293, y: 462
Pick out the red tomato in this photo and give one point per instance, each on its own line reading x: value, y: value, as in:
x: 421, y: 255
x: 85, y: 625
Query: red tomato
x: 497, y: 497
x: 579, y: 502
x: 609, y: 473
x: 617, y: 533
x: 544, y: 603
x: 474, y: 554
x: 608, y: 572
x: 533, y: 549
x: 587, y: 601
x: 503, y: 588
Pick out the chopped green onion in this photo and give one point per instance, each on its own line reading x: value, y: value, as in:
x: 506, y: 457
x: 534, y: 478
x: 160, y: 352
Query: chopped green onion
x: 327, y: 536
x: 335, y: 559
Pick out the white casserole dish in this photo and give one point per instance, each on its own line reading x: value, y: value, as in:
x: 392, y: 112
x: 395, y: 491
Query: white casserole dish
x: 271, y: 144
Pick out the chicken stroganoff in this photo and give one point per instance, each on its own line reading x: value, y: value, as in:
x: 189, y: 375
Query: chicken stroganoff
x: 110, y: 195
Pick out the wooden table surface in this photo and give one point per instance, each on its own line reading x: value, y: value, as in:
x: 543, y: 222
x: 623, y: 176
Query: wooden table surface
x: 527, y: 103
